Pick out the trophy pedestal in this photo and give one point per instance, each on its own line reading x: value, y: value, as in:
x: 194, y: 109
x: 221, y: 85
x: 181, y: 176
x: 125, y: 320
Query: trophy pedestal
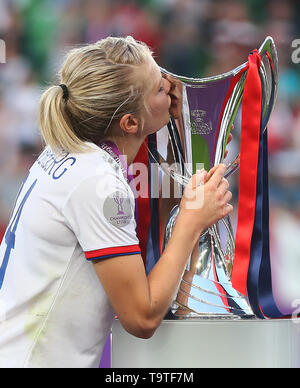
x: 210, y: 344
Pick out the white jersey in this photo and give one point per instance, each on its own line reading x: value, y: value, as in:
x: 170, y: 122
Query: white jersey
x: 72, y: 209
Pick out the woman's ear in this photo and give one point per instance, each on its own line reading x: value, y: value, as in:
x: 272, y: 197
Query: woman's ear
x: 129, y: 124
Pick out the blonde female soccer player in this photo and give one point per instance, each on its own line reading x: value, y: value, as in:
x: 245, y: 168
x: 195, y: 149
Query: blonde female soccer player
x: 70, y: 259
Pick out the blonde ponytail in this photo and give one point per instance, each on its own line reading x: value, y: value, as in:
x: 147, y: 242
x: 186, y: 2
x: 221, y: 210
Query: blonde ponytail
x: 103, y: 84
x: 55, y: 125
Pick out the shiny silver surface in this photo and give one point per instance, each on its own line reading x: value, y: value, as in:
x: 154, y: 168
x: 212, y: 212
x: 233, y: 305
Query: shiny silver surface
x: 205, y: 289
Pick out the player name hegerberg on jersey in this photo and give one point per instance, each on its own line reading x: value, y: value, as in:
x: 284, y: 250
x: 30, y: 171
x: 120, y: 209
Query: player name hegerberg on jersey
x: 55, y: 165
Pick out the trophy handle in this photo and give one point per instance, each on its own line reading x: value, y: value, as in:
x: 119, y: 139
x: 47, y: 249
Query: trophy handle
x: 269, y: 79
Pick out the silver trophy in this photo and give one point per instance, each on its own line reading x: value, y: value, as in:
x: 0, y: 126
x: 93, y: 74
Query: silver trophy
x: 198, y: 135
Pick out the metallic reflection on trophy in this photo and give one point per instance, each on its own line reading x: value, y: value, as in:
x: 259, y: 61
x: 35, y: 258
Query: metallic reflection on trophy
x: 198, y: 135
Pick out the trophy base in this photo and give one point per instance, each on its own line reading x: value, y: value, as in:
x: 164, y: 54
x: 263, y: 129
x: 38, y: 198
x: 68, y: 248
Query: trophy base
x: 200, y: 297
x: 179, y: 312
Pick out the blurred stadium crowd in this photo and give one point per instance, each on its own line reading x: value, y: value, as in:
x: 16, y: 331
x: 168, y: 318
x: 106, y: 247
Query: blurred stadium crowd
x: 189, y: 37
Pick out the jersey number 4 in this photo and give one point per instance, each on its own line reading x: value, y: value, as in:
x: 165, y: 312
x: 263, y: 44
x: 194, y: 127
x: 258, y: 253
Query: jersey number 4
x: 10, y: 236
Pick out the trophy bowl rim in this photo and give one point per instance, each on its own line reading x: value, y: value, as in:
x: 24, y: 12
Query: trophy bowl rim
x: 268, y: 45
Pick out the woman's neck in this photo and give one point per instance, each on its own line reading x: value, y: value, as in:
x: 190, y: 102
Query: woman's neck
x: 128, y: 146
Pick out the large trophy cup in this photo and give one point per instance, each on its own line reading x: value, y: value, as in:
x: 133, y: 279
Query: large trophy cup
x: 199, y: 136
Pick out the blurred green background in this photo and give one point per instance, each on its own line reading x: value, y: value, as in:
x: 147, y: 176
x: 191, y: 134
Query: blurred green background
x: 189, y: 37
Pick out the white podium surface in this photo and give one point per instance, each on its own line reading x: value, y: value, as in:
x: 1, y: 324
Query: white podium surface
x: 210, y: 344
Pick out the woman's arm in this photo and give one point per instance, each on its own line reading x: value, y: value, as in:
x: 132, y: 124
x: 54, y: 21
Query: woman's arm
x: 141, y: 302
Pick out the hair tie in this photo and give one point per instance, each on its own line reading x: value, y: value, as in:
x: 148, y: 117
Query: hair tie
x: 65, y: 90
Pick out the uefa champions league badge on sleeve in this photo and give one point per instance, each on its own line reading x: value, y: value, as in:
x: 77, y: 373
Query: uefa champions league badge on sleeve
x: 117, y: 209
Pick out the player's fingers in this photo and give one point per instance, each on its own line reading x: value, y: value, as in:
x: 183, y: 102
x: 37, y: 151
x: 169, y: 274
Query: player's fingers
x: 218, y: 174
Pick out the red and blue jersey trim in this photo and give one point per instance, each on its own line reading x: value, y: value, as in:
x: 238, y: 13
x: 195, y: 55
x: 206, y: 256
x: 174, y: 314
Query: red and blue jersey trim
x: 106, y: 253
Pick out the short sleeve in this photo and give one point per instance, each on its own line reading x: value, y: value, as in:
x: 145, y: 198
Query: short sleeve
x: 100, y: 212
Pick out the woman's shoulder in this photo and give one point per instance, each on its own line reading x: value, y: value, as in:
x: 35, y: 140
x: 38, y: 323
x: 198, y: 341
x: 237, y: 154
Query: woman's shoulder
x: 68, y: 171
x: 98, y: 162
